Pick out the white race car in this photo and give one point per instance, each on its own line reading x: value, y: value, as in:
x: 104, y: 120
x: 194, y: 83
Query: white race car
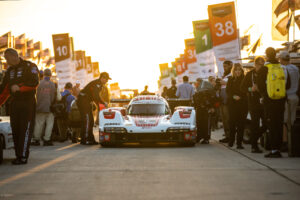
x: 6, y: 139
x: 147, y: 119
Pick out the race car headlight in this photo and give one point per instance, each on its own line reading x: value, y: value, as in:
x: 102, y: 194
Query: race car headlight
x: 178, y: 130
x: 115, y: 130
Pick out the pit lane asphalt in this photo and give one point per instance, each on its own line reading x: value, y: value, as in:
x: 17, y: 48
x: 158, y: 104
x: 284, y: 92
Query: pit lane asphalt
x: 73, y: 171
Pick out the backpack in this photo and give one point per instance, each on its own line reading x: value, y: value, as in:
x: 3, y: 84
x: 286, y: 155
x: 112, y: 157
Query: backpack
x: 74, y: 115
x: 59, y: 109
x: 276, y: 81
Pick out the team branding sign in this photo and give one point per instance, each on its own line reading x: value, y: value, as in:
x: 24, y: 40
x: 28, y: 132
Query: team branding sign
x: 164, y: 70
x: 183, y: 63
x: 29, y: 44
x: 96, y: 72
x: 222, y: 23
x: 61, y: 45
x: 20, y: 41
x: 88, y: 60
x: 80, y: 60
x: 4, y: 40
x: 202, y: 36
x: 37, y: 46
x: 205, y: 65
x: 173, y: 69
x: 190, y: 51
x: 179, y: 68
x: 81, y: 73
x: 65, y: 67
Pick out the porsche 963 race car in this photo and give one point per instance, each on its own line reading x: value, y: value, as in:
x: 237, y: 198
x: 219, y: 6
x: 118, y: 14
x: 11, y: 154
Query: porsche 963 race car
x: 147, y: 119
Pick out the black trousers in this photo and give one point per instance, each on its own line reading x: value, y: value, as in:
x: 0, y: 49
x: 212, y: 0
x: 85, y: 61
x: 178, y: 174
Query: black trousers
x: 203, y: 123
x: 237, y: 118
x: 22, y: 114
x: 257, y: 114
x: 87, y: 119
x: 274, y: 116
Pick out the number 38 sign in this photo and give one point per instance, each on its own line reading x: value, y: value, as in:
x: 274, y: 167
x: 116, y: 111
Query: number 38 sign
x: 222, y: 23
x: 61, y: 45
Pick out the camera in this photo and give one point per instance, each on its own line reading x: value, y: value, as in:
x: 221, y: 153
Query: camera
x: 205, y: 99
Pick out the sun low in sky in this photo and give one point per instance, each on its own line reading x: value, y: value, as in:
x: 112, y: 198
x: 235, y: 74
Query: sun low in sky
x: 129, y: 38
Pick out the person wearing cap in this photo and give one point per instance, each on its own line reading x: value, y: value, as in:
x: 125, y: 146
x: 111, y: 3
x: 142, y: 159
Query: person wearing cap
x: 62, y: 122
x: 274, y: 108
x: 46, y: 93
x: 76, y: 88
x: 292, y: 97
x: 89, y: 94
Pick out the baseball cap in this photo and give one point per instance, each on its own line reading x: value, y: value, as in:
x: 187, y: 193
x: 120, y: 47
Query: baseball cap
x: 284, y: 55
x: 77, y: 82
x: 105, y: 75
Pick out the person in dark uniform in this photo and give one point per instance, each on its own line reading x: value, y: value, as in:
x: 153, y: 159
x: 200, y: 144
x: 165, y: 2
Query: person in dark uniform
x: 204, y: 103
x: 89, y: 94
x: 172, y: 90
x: 20, y: 82
x: 237, y: 104
x: 172, y: 94
x: 249, y: 86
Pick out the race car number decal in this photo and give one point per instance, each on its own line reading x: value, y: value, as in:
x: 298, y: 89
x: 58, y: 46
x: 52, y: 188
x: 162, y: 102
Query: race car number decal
x: 146, y: 122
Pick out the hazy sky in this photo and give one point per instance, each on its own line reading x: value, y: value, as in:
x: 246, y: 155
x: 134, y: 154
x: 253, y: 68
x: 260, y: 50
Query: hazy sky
x: 129, y: 38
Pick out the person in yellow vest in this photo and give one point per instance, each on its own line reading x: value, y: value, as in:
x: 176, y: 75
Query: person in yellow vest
x: 273, y: 94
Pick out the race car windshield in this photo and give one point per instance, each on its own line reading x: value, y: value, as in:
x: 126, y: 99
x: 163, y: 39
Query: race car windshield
x: 147, y: 109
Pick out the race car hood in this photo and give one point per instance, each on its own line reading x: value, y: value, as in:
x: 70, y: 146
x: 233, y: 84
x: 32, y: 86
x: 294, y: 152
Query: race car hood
x: 155, y: 123
x: 144, y: 121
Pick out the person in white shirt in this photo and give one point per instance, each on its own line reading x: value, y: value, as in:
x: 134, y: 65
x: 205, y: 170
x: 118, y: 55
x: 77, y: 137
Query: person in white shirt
x: 185, y: 90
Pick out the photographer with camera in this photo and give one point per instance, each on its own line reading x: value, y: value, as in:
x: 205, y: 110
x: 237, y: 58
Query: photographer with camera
x: 216, y: 83
x: 204, y: 103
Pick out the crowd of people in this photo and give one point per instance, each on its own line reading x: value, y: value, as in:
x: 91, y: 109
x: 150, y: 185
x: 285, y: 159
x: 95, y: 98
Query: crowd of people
x: 269, y: 92
x: 37, y: 107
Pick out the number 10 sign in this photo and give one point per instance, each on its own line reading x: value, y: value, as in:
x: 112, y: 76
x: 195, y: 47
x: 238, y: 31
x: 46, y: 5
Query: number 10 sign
x: 61, y: 45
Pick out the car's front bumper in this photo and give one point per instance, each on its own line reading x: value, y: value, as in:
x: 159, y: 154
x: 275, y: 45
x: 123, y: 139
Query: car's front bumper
x: 119, y: 138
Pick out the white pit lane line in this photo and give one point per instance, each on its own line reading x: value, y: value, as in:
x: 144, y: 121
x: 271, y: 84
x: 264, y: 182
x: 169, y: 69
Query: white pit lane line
x: 42, y: 167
